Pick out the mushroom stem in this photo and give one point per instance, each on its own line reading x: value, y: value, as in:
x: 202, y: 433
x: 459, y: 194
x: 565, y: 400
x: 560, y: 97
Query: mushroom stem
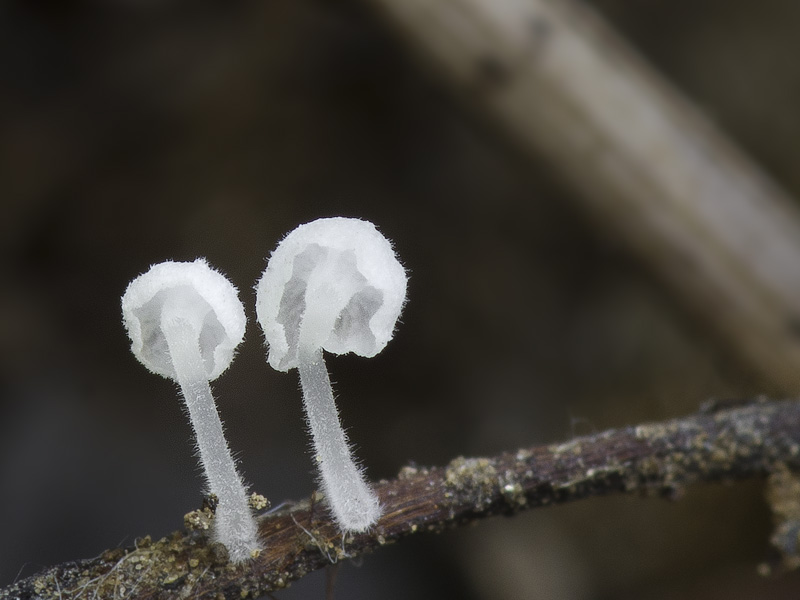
x: 355, y: 506
x: 234, y: 524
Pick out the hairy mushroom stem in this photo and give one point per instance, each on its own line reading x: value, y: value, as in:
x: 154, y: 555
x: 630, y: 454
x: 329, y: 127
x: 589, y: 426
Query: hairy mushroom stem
x: 356, y: 506
x: 235, y: 527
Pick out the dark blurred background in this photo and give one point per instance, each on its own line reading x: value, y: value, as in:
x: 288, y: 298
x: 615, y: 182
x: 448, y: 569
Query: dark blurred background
x: 137, y: 131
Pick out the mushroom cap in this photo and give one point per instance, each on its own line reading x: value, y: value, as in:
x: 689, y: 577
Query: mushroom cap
x: 335, y: 282
x: 211, y: 305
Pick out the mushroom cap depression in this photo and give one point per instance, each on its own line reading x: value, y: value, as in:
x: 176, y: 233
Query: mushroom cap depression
x: 212, y: 306
x: 339, y: 279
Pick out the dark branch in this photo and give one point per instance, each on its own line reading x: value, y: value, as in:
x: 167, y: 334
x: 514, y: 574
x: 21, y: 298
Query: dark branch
x: 755, y: 439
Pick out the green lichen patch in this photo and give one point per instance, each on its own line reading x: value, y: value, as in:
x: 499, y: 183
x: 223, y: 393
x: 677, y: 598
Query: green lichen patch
x: 198, y: 520
x: 783, y: 496
x: 473, y: 478
x: 258, y: 502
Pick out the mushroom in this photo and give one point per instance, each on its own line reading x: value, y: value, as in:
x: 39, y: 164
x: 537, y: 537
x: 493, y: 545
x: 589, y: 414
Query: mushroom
x: 185, y: 321
x: 333, y: 284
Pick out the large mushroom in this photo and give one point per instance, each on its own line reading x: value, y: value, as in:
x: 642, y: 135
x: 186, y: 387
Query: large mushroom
x: 333, y: 284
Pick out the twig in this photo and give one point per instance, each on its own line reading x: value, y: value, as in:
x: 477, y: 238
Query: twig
x: 757, y: 439
x: 648, y: 168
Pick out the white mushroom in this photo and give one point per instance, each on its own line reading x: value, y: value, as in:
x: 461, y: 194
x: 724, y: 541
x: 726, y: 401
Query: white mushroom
x: 332, y: 284
x: 185, y: 321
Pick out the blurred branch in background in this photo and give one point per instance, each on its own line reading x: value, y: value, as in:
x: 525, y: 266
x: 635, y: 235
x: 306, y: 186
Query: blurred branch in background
x: 646, y: 165
x: 754, y: 439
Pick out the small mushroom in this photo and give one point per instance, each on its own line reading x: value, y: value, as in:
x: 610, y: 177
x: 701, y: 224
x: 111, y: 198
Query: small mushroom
x: 333, y: 284
x: 185, y: 321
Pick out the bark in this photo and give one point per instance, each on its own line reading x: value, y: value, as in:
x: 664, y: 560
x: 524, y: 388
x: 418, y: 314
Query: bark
x: 725, y: 441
